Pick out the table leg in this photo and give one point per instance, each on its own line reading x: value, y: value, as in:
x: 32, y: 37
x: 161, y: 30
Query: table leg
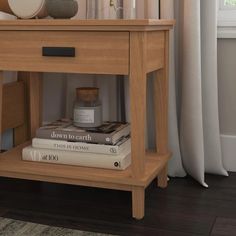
x: 161, y: 95
x: 138, y: 202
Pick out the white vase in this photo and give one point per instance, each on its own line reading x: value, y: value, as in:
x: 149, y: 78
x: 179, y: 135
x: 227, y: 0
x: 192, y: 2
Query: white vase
x: 27, y: 9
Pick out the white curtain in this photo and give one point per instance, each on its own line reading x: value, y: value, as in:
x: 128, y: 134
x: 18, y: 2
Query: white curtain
x: 175, y: 168
x: 196, y: 47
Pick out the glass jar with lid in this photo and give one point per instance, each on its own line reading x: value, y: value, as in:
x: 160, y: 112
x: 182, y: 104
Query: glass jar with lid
x: 87, y: 108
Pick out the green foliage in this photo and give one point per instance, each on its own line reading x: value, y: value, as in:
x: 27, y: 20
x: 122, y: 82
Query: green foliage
x: 230, y: 2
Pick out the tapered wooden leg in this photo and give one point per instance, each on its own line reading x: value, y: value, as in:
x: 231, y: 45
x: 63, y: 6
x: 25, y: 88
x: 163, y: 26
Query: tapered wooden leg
x: 161, y: 91
x: 138, y: 87
x: 138, y: 202
x: 162, y: 178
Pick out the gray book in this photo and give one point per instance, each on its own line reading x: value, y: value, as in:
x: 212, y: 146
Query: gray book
x: 108, y: 133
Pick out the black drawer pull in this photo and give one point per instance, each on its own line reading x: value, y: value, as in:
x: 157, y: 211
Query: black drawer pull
x: 58, y: 52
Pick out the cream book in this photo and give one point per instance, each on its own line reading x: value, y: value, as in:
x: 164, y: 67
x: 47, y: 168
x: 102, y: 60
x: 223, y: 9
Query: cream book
x: 118, y: 162
x: 116, y: 149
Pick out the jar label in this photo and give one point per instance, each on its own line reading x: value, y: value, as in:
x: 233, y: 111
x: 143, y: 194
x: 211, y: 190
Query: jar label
x: 85, y: 116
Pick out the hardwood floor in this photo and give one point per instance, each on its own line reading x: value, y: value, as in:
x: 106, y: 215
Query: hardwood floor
x: 183, y: 209
x: 224, y: 226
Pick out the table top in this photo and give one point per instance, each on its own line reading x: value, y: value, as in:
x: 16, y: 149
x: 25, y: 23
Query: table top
x: 99, y: 25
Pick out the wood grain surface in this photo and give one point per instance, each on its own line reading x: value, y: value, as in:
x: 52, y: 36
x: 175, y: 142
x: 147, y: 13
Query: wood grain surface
x: 183, y: 209
x: 106, y: 53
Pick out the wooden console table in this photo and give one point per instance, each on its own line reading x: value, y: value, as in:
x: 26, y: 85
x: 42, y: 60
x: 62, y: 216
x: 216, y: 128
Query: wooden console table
x: 121, y: 47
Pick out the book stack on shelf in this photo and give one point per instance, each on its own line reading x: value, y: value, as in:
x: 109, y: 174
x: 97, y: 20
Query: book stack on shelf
x: 107, y: 146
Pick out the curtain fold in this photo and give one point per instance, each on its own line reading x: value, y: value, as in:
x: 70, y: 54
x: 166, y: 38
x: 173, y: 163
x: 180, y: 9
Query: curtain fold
x: 175, y: 166
x: 147, y: 9
x: 191, y: 133
x: 128, y: 9
x: 199, y: 117
x: 212, y: 144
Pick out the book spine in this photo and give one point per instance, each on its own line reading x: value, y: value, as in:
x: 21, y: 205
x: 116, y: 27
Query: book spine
x: 76, y: 146
x: 74, y: 136
x: 73, y: 158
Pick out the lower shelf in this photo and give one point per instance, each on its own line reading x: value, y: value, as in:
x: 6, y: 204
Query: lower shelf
x: 11, y: 165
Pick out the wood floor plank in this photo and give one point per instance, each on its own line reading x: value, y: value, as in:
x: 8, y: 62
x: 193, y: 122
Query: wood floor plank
x: 184, y: 208
x: 3, y: 211
x: 224, y: 227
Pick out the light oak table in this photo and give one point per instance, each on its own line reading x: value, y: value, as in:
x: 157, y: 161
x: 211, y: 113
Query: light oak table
x: 120, y: 47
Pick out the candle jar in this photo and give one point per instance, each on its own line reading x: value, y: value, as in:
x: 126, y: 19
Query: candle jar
x: 87, y: 108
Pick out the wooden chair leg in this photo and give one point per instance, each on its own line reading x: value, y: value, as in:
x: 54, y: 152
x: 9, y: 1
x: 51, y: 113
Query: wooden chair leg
x: 162, y: 181
x: 138, y: 202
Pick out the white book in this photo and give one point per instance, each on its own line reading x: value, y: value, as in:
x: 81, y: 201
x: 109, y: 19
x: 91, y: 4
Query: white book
x: 118, y: 162
x: 117, y: 149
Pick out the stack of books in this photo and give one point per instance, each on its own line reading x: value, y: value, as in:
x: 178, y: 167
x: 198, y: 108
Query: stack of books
x: 60, y: 142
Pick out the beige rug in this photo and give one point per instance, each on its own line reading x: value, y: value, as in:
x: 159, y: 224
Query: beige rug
x: 9, y: 227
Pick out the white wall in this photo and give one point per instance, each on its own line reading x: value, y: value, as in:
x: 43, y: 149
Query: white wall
x: 227, y: 100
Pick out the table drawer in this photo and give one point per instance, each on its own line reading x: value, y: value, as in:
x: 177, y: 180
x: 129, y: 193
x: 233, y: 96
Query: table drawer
x: 94, y: 52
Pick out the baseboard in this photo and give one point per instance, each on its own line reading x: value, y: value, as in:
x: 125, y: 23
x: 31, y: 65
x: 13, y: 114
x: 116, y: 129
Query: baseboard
x: 228, y: 143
